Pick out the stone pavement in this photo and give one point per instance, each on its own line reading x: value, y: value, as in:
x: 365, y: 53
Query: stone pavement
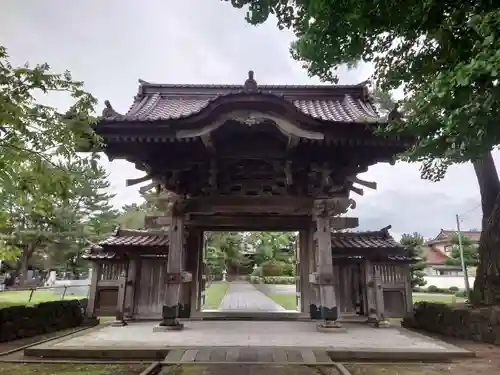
x: 242, y: 296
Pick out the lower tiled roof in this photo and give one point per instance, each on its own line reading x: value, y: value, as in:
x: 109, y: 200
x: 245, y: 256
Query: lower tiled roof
x: 365, y: 240
x: 126, y: 238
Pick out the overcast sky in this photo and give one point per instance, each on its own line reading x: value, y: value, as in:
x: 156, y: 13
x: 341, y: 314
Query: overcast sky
x: 111, y: 44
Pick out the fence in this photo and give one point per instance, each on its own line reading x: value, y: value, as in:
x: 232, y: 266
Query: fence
x: 30, y: 296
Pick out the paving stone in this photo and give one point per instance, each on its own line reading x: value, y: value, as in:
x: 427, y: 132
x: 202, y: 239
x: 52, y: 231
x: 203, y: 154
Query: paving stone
x: 322, y: 356
x: 248, y: 355
x: 189, y: 355
x: 265, y: 355
x: 218, y: 355
x: 243, y: 296
x: 308, y: 356
x: 174, y: 355
x: 294, y: 356
x: 232, y: 354
x: 203, y: 355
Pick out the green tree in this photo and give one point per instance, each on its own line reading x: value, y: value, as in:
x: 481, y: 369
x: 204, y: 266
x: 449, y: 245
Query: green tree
x: 413, y: 244
x: 471, y: 256
x: 34, y: 137
x: 59, y: 230
x: 446, y: 56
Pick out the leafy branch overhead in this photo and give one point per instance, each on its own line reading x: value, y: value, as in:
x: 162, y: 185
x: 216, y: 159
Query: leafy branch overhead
x: 33, y: 132
x: 446, y: 56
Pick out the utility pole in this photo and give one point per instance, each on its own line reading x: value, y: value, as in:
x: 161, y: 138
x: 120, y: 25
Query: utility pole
x: 464, y: 268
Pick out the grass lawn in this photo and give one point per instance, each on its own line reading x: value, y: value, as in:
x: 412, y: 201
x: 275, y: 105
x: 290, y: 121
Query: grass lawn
x: 214, y: 295
x: 440, y: 298
x: 69, y: 369
x: 22, y: 297
x: 288, y: 300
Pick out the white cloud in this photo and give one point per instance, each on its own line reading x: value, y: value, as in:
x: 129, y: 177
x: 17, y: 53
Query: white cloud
x: 111, y: 44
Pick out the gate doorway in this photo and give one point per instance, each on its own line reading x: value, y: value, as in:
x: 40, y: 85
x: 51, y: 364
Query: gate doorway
x: 251, y: 274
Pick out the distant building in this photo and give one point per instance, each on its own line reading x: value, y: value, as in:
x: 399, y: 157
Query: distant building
x: 437, y: 250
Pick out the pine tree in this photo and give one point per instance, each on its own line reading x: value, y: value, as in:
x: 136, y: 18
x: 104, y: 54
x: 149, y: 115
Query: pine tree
x: 413, y: 244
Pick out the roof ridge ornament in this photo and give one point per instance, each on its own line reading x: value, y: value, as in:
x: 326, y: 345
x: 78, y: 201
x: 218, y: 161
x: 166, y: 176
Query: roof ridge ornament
x: 250, y: 83
x: 110, y: 113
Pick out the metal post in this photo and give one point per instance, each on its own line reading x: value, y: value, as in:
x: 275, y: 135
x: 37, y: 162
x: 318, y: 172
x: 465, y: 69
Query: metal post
x: 462, y: 260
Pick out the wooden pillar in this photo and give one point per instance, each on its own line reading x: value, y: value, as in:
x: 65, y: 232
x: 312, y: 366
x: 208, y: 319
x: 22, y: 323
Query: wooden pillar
x: 324, y: 276
x: 195, y: 248
x: 379, y: 297
x: 304, y: 271
x: 371, y: 302
x: 122, y: 290
x: 408, y: 288
x: 94, y: 278
x: 132, y: 280
x: 170, y: 311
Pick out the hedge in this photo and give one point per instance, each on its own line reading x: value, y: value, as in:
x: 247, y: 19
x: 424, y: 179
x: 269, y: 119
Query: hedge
x: 463, y: 322
x: 281, y: 280
x: 27, y: 321
x: 434, y: 289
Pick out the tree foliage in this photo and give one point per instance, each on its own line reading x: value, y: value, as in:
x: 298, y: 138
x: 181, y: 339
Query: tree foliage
x: 39, y: 134
x: 413, y: 243
x: 469, y: 249
x: 446, y: 57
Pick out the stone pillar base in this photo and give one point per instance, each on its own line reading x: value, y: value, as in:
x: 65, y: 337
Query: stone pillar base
x: 119, y: 323
x: 330, y: 327
x: 165, y: 328
x: 382, y: 324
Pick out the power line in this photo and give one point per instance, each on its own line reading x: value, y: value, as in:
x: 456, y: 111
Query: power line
x: 469, y: 211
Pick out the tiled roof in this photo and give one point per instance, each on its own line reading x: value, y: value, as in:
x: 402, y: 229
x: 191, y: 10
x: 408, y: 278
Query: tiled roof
x: 364, y: 240
x: 156, y: 102
x: 127, y: 237
x: 124, y: 238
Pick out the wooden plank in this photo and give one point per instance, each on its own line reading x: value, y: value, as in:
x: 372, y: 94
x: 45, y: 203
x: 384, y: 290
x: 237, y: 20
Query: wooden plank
x: 189, y: 355
x: 175, y: 355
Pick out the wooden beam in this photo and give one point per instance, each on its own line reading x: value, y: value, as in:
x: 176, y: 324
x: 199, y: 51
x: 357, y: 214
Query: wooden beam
x: 344, y: 223
x: 262, y: 205
x: 155, y: 222
x: 135, y: 181
x: 249, y: 223
x: 367, y: 184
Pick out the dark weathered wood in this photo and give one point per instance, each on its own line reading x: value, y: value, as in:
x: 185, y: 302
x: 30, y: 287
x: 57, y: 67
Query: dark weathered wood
x: 247, y: 222
x: 235, y: 205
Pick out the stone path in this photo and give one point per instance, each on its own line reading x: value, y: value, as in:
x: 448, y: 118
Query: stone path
x: 242, y: 296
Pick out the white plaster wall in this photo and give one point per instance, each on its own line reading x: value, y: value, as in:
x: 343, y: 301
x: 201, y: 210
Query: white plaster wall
x: 446, y: 282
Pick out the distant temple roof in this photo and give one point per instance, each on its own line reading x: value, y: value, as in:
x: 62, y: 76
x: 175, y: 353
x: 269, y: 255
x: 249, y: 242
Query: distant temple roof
x: 331, y: 103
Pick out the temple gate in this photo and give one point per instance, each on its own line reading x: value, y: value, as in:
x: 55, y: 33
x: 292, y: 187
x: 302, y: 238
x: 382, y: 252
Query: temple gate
x: 243, y: 158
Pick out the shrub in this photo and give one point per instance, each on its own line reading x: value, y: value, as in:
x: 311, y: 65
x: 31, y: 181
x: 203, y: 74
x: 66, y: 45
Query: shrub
x: 453, y: 289
x: 433, y: 289
x: 479, y: 324
x: 27, y: 321
x: 288, y: 269
x: 272, y: 268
